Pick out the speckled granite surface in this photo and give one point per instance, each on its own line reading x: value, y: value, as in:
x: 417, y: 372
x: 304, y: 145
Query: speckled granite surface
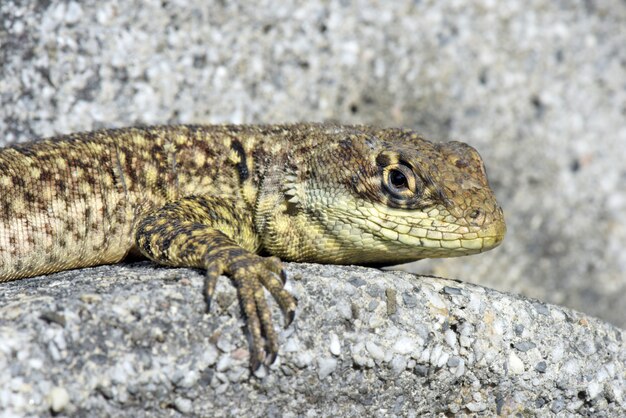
x: 134, y: 340
x: 538, y: 87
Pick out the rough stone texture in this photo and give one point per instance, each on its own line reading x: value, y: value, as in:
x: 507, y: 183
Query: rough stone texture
x: 134, y: 340
x: 538, y: 87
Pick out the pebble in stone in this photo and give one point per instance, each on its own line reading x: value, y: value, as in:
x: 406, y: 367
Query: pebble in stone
x: 475, y: 303
x: 376, y: 321
x: 371, y: 306
x: 476, y: 406
x: 516, y: 365
x: 293, y: 345
x: 334, y: 346
x: 261, y: 372
x: 586, y: 347
x: 571, y: 366
x: 344, y: 309
x: 557, y: 405
x: 557, y: 352
x: 594, y: 389
x: 357, y: 282
x: 237, y: 374
x: 189, y: 379
x: 465, y: 341
x: 524, y: 346
x: 209, y: 355
x: 574, y: 406
x: 435, y: 300
x: 398, y: 364
x: 438, y: 357
x: 454, y: 361
x: 450, y: 337
x: 541, y: 308
x: 359, y: 358
x: 59, y: 399
x: 223, y: 364
x: 225, y: 344
x: 404, y: 345
x: 375, y: 351
x: 303, y: 359
x: 183, y: 405
x: 326, y: 366
x: 409, y: 299
x: 460, y: 368
x: 222, y: 388
x: 541, y: 367
x: 452, y: 290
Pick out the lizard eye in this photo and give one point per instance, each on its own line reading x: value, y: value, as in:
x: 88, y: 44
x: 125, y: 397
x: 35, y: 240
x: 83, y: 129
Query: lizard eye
x: 400, y: 181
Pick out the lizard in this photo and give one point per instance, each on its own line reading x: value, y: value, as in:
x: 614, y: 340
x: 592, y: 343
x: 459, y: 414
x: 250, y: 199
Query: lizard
x: 238, y: 199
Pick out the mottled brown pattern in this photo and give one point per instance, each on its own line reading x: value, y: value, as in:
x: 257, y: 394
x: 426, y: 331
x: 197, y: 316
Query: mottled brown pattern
x: 222, y: 197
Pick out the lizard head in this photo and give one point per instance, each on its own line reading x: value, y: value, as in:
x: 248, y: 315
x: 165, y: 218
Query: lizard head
x: 369, y: 196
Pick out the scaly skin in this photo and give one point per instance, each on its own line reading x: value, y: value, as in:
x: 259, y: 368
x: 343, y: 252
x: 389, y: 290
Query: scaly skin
x: 222, y: 198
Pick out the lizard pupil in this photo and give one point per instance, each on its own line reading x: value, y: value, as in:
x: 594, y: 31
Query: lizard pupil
x: 398, y: 179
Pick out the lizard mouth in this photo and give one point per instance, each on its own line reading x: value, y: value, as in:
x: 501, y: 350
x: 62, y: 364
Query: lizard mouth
x: 488, y: 237
x: 484, y: 239
x: 493, y: 235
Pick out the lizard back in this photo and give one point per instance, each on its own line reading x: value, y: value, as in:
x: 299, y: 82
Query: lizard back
x: 60, y: 209
x: 72, y: 201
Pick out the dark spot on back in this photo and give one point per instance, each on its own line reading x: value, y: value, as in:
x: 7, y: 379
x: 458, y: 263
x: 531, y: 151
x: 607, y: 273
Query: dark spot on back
x: 346, y: 143
x: 242, y: 165
x: 60, y: 185
x: 30, y: 197
x: 26, y: 151
x: 18, y: 181
x: 6, y: 208
x: 45, y: 175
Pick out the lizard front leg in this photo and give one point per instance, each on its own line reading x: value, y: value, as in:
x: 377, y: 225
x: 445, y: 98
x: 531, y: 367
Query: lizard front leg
x: 214, y: 234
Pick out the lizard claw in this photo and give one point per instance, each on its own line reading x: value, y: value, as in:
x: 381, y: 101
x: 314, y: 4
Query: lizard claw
x: 271, y: 358
x: 289, y: 317
x: 275, y: 265
x: 285, y: 300
x: 213, y: 271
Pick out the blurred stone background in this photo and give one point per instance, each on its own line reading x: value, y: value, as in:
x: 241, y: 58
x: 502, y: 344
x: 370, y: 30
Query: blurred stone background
x: 538, y: 87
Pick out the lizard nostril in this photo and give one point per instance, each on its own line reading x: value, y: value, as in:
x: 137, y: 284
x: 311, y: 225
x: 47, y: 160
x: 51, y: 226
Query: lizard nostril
x: 475, y: 213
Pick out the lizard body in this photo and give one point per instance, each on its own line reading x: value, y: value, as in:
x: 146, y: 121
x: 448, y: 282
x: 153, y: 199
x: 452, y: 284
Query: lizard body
x: 223, y: 197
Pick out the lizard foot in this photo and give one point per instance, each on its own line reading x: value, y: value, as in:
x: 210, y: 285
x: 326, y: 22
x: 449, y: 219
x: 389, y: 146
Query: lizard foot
x: 252, y: 273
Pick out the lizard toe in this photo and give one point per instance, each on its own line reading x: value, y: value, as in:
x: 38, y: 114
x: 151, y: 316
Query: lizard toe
x: 213, y: 271
x: 284, y: 299
x: 248, y: 288
x: 275, y: 265
x: 265, y: 317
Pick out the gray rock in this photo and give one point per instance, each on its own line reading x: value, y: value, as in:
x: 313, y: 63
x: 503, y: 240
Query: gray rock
x: 114, y: 365
x: 537, y: 87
